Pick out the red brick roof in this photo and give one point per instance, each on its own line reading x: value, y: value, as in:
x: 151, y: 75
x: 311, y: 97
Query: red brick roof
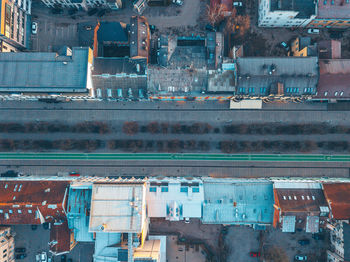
x: 60, y: 238
x: 338, y: 195
x: 32, y: 202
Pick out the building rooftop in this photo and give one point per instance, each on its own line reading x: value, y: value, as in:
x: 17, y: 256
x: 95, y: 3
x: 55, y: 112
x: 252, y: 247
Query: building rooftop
x: 117, y: 208
x: 139, y: 37
x: 116, y: 66
x: 60, y: 236
x: 268, y: 72
x: 346, y: 236
x: 237, y: 202
x: 338, y: 195
x: 78, y: 210
x: 329, y: 49
x: 163, y: 195
x: 114, y: 32
x: 306, y: 8
x: 44, y: 72
x: 299, y: 197
x: 334, y: 79
x: 32, y: 202
x: 339, y: 9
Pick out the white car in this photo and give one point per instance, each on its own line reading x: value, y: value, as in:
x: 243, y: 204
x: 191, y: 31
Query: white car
x: 43, y: 257
x: 34, y: 28
x: 178, y: 2
x: 313, y: 31
x: 240, y: 4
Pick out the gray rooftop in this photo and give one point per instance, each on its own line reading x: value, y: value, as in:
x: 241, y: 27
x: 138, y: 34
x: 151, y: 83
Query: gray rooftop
x: 44, y: 72
x: 306, y: 8
x: 261, y: 75
x: 346, y: 232
x: 239, y: 202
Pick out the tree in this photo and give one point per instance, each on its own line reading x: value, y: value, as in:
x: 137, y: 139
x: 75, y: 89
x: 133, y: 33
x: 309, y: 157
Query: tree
x: 153, y: 128
x: 237, y: 23
x: 130, y: 128
x: 215, y: 14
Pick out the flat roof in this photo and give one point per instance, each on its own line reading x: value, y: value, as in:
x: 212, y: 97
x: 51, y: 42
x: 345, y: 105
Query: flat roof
x: 237, y: 202
x: 306, y: 8
x: 334, y: 79
x: 117, y: 208
x: 340, y: 9
x: 44, y: 72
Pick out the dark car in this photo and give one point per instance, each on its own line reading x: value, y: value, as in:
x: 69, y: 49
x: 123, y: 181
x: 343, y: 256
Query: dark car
x: 46, y: 225
x: 70, y: 260
x: 254, y: 254
x: 284, y: 45
x: 63, y: 258
x: 318, y: 236
x: 9, y: 173
x: 21, y: 256
x: 152, y: 28
x: 34, y: 227
x: 304, y: 242
x: 20, y: 250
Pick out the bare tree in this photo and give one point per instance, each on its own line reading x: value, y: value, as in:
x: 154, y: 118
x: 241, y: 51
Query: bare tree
x: 237, y: 23
x: 130, y: 128
x: 215, y: 14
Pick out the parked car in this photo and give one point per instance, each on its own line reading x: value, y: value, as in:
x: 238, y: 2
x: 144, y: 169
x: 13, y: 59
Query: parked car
x: 46, y: 225
x: 34, y: 28
x: 20, y: 249
x: 34, y: 227
x: 304, y: 242
x: 9, y: 173
x: 300, y: 258
x: 254, y: 254
x: 237, y: 4
x: 178, y: 2
x: 70, y: 260
x: 88, y: 27
x: 74, y: 174
x: 318, y: 236
x: 152, y: 28
x: 21, y: 256
x: 43, y: 257
x: 313, y: 31
x: 284, y: 45
x: 210, y: 28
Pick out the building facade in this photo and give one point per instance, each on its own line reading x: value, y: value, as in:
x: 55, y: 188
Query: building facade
x: 282, y: 13
x: 14, y: 20
x: 340, y: 242
x: 332, y: 14
x: 84, y: 4
x: 7, y: 245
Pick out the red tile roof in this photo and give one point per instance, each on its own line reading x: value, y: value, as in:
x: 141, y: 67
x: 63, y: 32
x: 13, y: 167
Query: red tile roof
x: 32, y: 202
x: 338, y: 196
x: 299, y: 200
x: 60, y: 238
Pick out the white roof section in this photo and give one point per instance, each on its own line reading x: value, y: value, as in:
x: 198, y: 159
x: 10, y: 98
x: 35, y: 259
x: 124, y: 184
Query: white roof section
x: 298, y: 185
x: 246, y: 104
x: 117, y: 208
x: 174, y: 198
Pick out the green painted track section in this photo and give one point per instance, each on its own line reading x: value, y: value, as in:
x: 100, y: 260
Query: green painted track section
x: 190, y: 157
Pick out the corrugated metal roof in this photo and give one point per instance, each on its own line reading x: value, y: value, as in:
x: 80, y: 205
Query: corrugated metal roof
x: 31, y: 202
x: 40, y: 72
x: 238, y: 202
x: 117, y: 208
x: 288, y: 224
x: 312, y: 224
x: 338, y: 195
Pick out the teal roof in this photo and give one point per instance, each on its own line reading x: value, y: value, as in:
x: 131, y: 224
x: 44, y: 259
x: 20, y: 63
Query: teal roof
x: 79, y: 201
x: 237, y: 202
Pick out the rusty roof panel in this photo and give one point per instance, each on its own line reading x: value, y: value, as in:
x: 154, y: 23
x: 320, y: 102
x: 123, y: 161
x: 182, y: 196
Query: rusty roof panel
x: 31, y: 202
x: 300, y: 200
x: 60, y: 237
x: 338, y: 197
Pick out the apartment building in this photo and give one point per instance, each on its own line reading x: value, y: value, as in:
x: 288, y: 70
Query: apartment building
x: 84, y: 4
x: 332, y: 14
x: 286, y: 13
x: 14, y: 19
x: 7, y: 245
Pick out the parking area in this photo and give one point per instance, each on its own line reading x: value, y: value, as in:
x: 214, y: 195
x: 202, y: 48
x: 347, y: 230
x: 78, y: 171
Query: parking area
x: 183, y: 252
x: 36, y: 240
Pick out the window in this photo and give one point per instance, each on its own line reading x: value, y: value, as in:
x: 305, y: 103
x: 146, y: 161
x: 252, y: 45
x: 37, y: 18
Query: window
x: 165, y: 189
x: 152, y: 189
x: 195, y: 189
x: 184, y: 189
